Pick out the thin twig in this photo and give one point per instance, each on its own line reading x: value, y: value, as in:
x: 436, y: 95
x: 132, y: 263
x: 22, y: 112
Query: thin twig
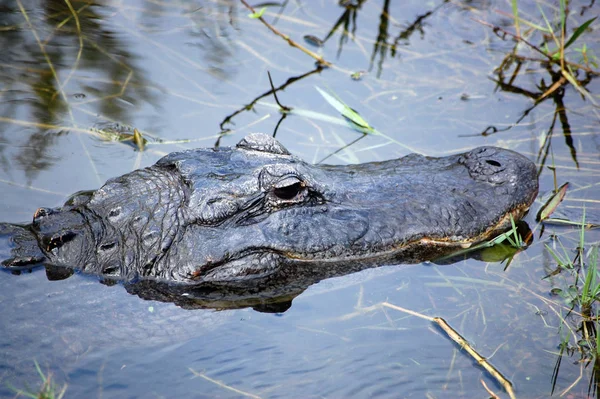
x: 292, y: 43
x: 222, y: 385
x: 342, y: 148
x: 283, y: 107
x: 489, y: 391
x: 80, y: 49
x: 456, y: 337
x: 410, y: 312
x: 547, y: 57
x: 519, y: 38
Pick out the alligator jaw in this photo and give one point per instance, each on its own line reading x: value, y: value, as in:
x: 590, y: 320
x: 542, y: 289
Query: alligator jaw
x: 255, y: 264
x: 260, y: 263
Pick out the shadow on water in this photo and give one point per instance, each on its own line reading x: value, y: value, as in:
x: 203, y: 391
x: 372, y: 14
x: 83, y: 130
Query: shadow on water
x: 274, y: 294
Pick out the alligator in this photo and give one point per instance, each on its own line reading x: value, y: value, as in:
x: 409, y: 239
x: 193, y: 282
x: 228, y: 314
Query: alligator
x: 253, y: 214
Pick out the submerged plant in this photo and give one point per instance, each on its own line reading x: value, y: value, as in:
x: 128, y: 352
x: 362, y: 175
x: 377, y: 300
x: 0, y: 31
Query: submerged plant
x: 582, y: 291
x: 48, y: 390
x: 554, y: 46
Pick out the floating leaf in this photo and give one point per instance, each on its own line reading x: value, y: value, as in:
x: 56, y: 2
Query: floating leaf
x: 351, y: 115
x: 139, y: 140
x: 258, y: 14
x: 358, y: 75
x: 550, y: 206
x: 579, y: 31
x: 313, y: 40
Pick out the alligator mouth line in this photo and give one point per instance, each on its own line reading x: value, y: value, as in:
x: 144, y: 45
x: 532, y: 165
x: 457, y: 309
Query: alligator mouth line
x: 432, y: 243
x: 502, y: 224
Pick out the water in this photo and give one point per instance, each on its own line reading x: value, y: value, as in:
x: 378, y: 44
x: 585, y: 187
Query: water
x: 186, y: 71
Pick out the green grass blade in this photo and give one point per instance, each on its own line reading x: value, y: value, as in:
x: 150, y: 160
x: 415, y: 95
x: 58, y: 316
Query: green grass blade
x: 515, y: 11
x: 597, y: 337
x: 590, y: 278
x: 258, y: 14
x: 563, y: 14
x: 515, y: 233
x: 549, y: 26
x: 579, y: 31
x: 582, y: 231
x: 557, y: 258
x: 549, y: 207
x: 346, y: 111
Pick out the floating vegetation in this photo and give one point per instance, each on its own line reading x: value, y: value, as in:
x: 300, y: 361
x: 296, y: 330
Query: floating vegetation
x: 356, y: 121
x: 579, y: 287
x: 122, y: 133
x: 313, y: 40
x: 358, y: 75
x: 550, y: 206
x: 258, y: 14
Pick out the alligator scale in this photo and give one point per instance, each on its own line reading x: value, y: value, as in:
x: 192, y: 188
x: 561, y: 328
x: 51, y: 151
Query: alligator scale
x: 254, y: 212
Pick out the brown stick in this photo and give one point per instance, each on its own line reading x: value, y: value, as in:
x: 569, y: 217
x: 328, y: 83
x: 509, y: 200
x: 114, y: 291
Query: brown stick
x: 517, y: 37
x: 456, y: 337
x: 492, y: 394
x: 292, y: 43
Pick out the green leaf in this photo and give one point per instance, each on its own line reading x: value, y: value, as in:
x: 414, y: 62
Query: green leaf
x: 590, y: 286
x: 562, y: 263
x: 579, y: 31
x: 515, y: 10
x: 258, y: 14
x: 550, y: 206
x: 563, y: 16
x: 139, y: 140
x: 351, y: 115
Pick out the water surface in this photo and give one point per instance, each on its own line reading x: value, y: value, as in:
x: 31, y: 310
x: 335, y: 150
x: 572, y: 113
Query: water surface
x: 183, y: 74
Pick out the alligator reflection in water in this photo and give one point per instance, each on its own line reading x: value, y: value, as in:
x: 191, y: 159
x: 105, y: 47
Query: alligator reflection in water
x: 273, y: 296
x: 254, y: 222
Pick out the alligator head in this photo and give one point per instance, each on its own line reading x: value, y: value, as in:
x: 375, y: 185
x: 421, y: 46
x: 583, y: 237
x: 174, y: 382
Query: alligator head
x: 256, y: 212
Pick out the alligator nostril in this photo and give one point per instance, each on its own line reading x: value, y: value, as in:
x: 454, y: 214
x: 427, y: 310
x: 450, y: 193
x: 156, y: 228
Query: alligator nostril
x: 492, y: 162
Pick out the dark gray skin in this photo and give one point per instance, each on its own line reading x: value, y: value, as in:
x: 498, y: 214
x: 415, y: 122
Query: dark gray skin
x: 255, y: 213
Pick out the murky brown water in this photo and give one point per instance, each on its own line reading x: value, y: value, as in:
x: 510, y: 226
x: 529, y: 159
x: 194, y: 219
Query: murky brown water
x: 71, y: 72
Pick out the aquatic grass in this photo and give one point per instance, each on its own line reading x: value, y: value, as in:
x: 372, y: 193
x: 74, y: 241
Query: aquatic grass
x: 558, y: 56
x: 356, y: 121
x: 515, y: 11
x: 590, y: 292
x: 591, y: 287
x: 580, y: 290
x: 512, y: 236
x: 48, y: 390
x: 550, y: 206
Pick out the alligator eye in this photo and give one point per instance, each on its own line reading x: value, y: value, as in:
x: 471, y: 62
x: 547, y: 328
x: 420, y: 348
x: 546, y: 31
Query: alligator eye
x: 492, y: 162
x: 287, y: 193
